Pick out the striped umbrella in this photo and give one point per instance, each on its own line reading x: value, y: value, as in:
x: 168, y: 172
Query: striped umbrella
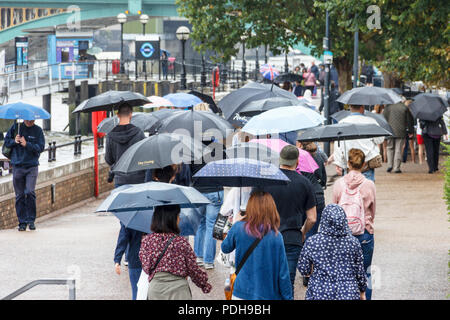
x: 269, y: 72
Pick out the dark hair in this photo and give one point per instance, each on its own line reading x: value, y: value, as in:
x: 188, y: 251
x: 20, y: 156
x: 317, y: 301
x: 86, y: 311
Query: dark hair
x: 125, y: 109
x: 164, y: 174
x: 165, y: 219
x: 333, y: 84
x: 287, y: 85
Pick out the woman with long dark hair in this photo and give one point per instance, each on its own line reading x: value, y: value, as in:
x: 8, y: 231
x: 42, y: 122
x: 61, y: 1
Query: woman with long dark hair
x: 265, y: 274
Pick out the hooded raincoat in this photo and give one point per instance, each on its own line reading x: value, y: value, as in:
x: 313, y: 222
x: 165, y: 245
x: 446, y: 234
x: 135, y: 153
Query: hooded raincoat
x: 335, y: 259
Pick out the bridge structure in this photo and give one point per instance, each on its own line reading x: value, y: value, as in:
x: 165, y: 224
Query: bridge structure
x: 16, y: 16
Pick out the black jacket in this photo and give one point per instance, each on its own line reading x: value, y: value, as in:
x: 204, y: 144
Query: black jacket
x: 434, y: 128
x: 117, y: 142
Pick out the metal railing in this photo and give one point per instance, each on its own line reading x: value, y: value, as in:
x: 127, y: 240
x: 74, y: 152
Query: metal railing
x: 68, y: 282
x: 52, y: 146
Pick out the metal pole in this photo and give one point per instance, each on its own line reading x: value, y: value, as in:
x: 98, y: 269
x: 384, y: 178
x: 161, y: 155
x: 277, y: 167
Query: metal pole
x: 286, y: 65
x: 256, y: 64
x: 144, y: 67
x: 244, y: 69
x: 122, y: 67
x: 183, y: 75
x: 203, y: 74
x: 265, y: 53
x: 326, y: 101
x: 355, y: 57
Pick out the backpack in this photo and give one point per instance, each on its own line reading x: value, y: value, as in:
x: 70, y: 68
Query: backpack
x: 352, y: 203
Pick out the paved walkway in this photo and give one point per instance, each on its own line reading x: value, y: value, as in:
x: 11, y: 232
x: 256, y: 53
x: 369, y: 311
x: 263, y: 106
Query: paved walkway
x: 411, y: 247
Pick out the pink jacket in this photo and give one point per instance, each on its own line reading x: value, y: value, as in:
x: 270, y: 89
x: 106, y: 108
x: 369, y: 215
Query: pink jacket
x: 310, y: 78
x: 368, y: 192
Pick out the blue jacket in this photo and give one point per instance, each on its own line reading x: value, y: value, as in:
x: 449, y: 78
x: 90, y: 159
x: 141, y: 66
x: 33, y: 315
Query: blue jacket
x: 132, y: 238
x: 265, y: 274
x: 27, y: 156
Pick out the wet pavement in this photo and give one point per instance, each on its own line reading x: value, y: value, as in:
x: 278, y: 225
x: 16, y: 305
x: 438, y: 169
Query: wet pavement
x: 410, y: 259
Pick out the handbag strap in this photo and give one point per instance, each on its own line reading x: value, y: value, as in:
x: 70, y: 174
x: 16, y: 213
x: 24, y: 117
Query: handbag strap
x: 162, y: 254
x: 247, y: 254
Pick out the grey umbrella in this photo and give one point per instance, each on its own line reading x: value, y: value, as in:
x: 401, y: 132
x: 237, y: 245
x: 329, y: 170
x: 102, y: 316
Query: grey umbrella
x: 233, y: 102
x: 338, y: 116
x: 159, y: 151
x: 111, y: 100
x: 160, y: 114
x: 141, y: 120
x: 369, y: 96
x: 428, y: 106
x: 258, y: 106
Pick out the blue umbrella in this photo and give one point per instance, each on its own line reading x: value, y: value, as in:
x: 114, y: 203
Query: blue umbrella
x: 183, y: 100
x: 141, y: 220
x: 151, y: 194
x: 240, y: 172
x: 22, y: 110
x: 283, y: 119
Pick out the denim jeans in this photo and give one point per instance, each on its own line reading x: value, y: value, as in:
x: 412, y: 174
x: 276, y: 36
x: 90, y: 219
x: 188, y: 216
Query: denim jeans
x: 117, y: 185
x: 367, y: 244
x: 319, y: 208
x: 204, y: 243
x: 370, y: 174
x: 134, y: 274
x: 24, y: 182
x: 292, y: 255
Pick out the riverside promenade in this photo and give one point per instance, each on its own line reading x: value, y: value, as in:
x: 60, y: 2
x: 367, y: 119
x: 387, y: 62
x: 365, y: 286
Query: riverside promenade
x: 410, y: 258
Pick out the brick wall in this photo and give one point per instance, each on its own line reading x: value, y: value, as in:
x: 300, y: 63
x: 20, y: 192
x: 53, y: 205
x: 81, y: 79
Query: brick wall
x: 69, y: 190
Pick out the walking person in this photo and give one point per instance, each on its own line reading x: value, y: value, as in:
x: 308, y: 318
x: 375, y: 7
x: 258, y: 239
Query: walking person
x: 334, y: 260
x: 265, y: 273
x: 168, y: 258
x: 357, y: 195
x: 27, y: 143
x: 432, y: 132
x: 368, y: 146
x: 379, y: 108
x: 310, y: 80
x: 420, y: 143
x: 296, y: 205
x: 402, y: 123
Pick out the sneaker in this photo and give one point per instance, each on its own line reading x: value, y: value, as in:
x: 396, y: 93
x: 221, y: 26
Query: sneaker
x: 22, y: 227
x: 31, y: 226
x: 199, y: 261
x: 398, y: 171
x: 389, y: 170
x: 209, y: 266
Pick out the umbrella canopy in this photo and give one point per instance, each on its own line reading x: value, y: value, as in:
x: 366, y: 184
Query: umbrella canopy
x: 207, y: 99
x: 94, y: 50
x: 240, y: 172
x: 283, y: 119
x: 141, y: 220
x: 151, y: 194
x: 253, y: 151
x: 157, y: 102
x: 382, y: 122
x: 111, y: 100
x: 369, y: 96
x: 183, y: 100
x: 258, y: 106
x: 159, y: 151
x: 343, y: 131
x: 234, y: 101
x: 306, y: 162
x: 202, y: 125
x: 269, y: 72
x: 428, y: 106
x: 290, y: 77
x: 141, y: 120
x: 160, y: 115
x: 22, y: 110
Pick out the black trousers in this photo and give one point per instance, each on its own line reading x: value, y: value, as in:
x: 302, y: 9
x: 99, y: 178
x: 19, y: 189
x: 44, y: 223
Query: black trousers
x: 432, y: 151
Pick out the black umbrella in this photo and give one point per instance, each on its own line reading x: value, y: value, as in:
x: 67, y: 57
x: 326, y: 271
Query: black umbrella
x: 141, y: 120
x: 258, y: 106
x: 159, y: 151
x: 111, y: 100
x: 206, y: 98
x: 290, y: 77
x: 254, y: 151
x: 382, y: 122
x: 428, y: 106
x: 201, y: 124
x: 343, y: 131
x: 233, y: 102
x: 161, y: 114
x: 369, y: 96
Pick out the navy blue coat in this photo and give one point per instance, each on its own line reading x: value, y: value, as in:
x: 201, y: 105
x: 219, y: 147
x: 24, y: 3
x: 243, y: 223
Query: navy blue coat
x: 132, y: 238
x: 27, y: 156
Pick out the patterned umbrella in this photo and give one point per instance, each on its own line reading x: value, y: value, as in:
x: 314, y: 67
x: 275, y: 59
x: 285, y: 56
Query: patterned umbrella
x: 269, y: 72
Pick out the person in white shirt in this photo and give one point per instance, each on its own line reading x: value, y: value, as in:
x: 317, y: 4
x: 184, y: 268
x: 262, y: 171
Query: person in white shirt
x: 368, y: 146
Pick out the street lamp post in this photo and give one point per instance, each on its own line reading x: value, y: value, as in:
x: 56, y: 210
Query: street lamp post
x: 144, y: 19
x: 121, y: 18
x: 182, y: 34
x: 257, y: 65
x: 355, y: 57
x: 326, y: 93
x: 244, y: 67
x: 286, y: 65
x: 265, y: 53
x: 203, y: 74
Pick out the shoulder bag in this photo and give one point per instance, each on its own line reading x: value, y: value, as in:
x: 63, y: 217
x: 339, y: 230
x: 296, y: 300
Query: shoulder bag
x: 161, y: 256
x: 6, y: 150
x: 229, y: 291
